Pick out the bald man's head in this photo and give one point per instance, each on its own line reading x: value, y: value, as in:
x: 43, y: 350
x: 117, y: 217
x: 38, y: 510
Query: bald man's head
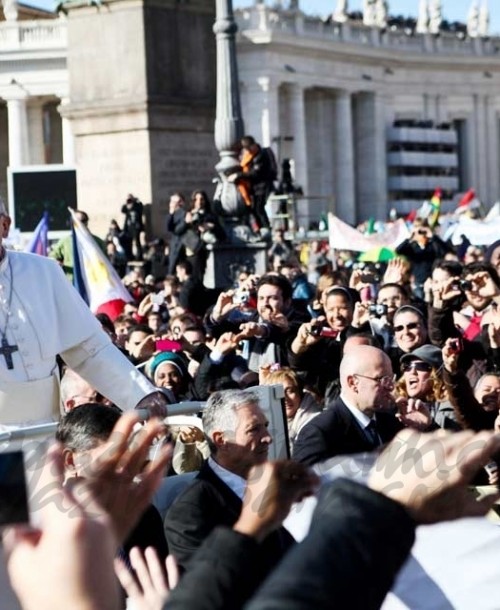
x: 366, y: 378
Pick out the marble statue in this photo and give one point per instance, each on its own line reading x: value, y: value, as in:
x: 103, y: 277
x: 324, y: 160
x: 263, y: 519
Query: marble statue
x: 10, y: 10
x: 340, y: 13
x: 435, y: 16
x: 423, y: 18
x: 381, y: 14
x: 484, y: 20
x: 473, y: 20
x: 369, y: 12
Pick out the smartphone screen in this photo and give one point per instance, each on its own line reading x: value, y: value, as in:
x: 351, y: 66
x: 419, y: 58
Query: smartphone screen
x: 13, y: 493
x: 166, y: 345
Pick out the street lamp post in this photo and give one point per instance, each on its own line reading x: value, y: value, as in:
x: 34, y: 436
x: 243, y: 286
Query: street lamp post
x: 228, y: 118
x: 241, y: 249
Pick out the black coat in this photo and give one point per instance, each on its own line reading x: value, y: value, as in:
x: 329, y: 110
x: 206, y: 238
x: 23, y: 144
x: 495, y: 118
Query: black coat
x: 206, y: 503
x: 358, y: 541
x: 176, y: 227
x: 421, y: 259
x: 337, y: 432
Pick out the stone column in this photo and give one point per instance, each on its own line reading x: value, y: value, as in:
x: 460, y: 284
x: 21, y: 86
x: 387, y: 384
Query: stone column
x: 18, y: 132
x: 36, y: 133
x: 261, y: 110
x: 298, y: 122
x: 228, y: 118
x: 493, y: 152
x: 472, y: 150
x: 345, y: 198
x: 480, y: 121
x: 270, y: 110
x: 371, y: 155
x: 68, y: 139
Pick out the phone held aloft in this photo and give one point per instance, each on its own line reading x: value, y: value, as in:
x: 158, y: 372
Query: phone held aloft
x: 325, y: 331
x: 13, y: 491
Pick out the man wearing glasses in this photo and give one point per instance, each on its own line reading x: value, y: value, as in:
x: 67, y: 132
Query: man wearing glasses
x: 361, y: 419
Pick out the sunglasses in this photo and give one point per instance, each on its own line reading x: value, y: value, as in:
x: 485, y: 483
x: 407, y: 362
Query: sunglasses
x: 420, y: 367
x: 410, y: 326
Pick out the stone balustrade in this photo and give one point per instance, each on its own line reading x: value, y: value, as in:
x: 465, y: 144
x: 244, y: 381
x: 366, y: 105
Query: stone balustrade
x: 266, y: 19
x: 33, y: 35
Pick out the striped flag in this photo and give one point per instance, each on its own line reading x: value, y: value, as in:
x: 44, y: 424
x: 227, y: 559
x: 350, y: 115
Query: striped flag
x: 94, y: 276
x: 435, y: 210
x: 39, y: 243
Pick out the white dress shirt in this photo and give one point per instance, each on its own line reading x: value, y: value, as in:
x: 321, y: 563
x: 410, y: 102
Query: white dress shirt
x: 236, y: 483
x: 363, y: 420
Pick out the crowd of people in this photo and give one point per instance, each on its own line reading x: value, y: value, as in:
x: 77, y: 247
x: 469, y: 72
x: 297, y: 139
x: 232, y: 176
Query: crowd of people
x: 369, y: 355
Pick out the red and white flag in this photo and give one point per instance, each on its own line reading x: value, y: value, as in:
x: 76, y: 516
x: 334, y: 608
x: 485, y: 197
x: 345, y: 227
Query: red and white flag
x: 94, y: 277
x: 469, y: 201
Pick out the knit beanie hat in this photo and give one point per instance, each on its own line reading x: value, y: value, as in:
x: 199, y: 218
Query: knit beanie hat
x: 172, y: 358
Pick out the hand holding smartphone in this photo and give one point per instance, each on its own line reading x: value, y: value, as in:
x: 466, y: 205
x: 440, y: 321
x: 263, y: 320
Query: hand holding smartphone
x: 13, y: 491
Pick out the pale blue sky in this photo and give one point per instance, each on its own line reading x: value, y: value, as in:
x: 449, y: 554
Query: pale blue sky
x: 453, y: 10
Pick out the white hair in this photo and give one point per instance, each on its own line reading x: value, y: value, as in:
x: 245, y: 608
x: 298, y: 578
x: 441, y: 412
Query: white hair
x: 220, y: 412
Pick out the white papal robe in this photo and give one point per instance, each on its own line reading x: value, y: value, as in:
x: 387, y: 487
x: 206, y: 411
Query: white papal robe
x: 48, y: 317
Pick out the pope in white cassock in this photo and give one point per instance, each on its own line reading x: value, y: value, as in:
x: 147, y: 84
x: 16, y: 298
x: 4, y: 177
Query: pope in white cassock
x: 41, y: 316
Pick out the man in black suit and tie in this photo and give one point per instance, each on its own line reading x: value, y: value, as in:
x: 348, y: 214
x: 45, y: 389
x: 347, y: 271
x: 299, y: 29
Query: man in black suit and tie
x: 361, y: 418
x: 237, y: 432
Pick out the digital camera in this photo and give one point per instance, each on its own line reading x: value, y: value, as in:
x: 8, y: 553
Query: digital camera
x: 241, y: 297
x: 377, y: 310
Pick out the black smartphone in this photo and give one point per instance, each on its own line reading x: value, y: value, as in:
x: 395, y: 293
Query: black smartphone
x: 13, y: 491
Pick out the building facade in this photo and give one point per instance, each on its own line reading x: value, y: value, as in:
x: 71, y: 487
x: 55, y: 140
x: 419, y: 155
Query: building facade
x: 372, y: 117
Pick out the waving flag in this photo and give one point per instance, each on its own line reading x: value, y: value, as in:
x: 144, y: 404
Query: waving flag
x: 469, y: 201
x: 39, y: 243
x: 94, y: 276
x: 344, y: 237
x: 435, y: 207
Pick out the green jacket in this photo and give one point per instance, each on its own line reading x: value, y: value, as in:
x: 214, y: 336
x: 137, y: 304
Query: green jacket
x: 62, y: 252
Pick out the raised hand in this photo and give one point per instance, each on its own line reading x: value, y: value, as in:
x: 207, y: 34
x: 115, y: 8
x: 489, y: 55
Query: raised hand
x: 451, y: 352
x: 226, y: 343
x: 223, y: 305
x: 394, y: 274
x: 361, y: 314
x: 67, y: 562
x: 153, y: 582
x: 271, y: 490
x: 414, y: 413
x: 307, y: 335
x: 251, y: 329
x: 120, y: 477
x: 430, y: 473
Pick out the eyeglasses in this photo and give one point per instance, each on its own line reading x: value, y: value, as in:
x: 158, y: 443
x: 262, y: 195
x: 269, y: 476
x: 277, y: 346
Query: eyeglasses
x: 410, y: 326
x: 420, y: 367
x: 383, y: 380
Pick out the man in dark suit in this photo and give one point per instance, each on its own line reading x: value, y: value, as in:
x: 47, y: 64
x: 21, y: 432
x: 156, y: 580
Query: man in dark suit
x: 359, y: 420
x: 237, y: 432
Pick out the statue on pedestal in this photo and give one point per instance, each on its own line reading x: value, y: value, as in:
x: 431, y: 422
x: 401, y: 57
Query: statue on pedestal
x: 484, y: 20
x: 435, y: 16
x: 369, y: 12
x: 381, y: 14
x: 473, y: 20
x: 10, y: 10
x: 423, y: 18
x: 340, y: 13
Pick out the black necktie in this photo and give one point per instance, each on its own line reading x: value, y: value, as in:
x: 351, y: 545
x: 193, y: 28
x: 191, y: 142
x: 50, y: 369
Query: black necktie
x: 372, y: 434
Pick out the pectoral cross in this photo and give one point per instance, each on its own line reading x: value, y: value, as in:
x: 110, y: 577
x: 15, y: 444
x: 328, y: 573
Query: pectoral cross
x: 6, y: 351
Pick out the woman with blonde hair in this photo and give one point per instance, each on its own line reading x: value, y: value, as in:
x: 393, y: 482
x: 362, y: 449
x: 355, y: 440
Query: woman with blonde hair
x: 300, y: 405
x: 421, y: 394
